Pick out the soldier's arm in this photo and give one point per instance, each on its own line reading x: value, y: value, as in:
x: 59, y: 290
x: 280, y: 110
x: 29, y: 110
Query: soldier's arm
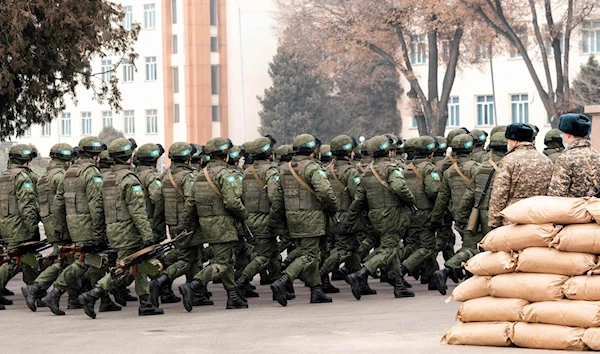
x: 56, y: 183
x: 432, y: 181
x: 93, y: 183
x: 443, y: 199
x: 317, y: 179
x: 467, y: 202
x: 561, y: 178
x: 27, y: 202
x: 59, y: 212
x: 230, y: 185
x: 359, y: 204
x: 157, y: 199
x: 352, y: 179
x: 275, y: 195
x: 133, y: 194
x: 499, y: 196
x: 398, y: 185
x: 189, y: 213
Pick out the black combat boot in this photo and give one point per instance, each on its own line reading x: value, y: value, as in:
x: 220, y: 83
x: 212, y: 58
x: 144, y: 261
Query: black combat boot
x: 340, y: 274
x: 201, y: 298
x: 120, y: 296
x: 285, y: 264
x: 147, y: 308
x: 187, y: 291
x: 400, y: 289
x: 460, y: 274
x: 5, y: 301
x: 279, y: 288
x: 2, y: 307
x: 6, y: 292
x: 354, y: 279
x: 88, y: 300
x: 265, y: 277
x: 249, y: 292
x: 106, y: 304
x: 326, y: 284
x: 365, y: 289
x: 383, y: 278
x: 290, y: 292
x: 32, y: 294
x: 53, y: 301
x: 468, y: 275
x: 455, y: 274
x: 74, y: 303
x: 441, y: 276
x: 234, y: 301
x: 317, y: 296
x: 168, y: 296
x: 127, y: 295
x: 425, y: 279
x: 404, y: 271
x: 432, y: 285
x: 156, y: 287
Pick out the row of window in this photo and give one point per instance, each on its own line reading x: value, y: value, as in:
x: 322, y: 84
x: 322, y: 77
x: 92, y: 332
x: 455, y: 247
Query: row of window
x: 150, y: 15
x: 128, y: 70
x: 519, y: 105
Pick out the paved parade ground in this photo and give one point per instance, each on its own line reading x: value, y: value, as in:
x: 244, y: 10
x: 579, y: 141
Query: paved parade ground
x: 375, y: 324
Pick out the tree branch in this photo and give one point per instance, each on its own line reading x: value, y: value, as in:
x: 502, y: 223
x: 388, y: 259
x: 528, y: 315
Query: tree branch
x: 542, y: 46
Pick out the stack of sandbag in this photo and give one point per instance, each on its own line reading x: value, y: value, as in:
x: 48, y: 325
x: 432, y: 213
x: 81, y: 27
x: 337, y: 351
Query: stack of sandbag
x: 536, y: 283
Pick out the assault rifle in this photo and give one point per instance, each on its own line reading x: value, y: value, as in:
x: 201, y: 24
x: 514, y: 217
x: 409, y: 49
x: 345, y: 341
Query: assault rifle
x: 249, y: 233
x: 145, y: 256
x: 25, y: 253
x: 69, y: 251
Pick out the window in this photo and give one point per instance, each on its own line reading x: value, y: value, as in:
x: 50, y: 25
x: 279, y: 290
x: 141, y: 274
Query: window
x: 46, y: 129
x: 485, y: 110
x: 483, y: 52
x: 128, y: 71
x: 65, y: 124
x: 173, y: 11
x: 414, y: 123
x: 149, y: 16
x: 176, y: 113
x: 214, y: 44
x: 214, y: 79
x: 215, y: 114
x: 418, y: 47
x: 107, y: 119
x: 129, y: 122
x: 150, y: 68
x: 128, y: 19
x: 590, y: 37
x: 174, y: 44
x: 176, y: 80
x: 453, y: 113
x: 214, y: 14
x: 107, y: 70
x: 522, y: 34
x: 519, y: 108
x: 86, y: 123
x: 151, y: 121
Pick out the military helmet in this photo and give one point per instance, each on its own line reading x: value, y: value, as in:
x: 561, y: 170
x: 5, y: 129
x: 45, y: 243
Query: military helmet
x: 260, y: 148
x: 393, y: 140
x: 454, y: 133
x: 91, y: 145
x: 105, y: 160
x: 305, y: 143
x: 442, y: 143
x: 411, y: 144
x: 498, y: 141
x: 342, y: 145
x: 218, y: 146
x: 284, y: 152
x: 61, y: 151
x: 326, y: 150
x: 120, y: 149
x: 479, y: 137
x: 553, y: 135
x: 462, y: 143
x: 400, y: 148
x: 363, y: 149
x: 149, y: 153
x: 379, y: 145
x: 498, y: 129
x: 236, y: 153
x: 180, y: 151
x: 426, y: 145
x: 22, y: 153
x: 197, y: 152
x: 536, y: 130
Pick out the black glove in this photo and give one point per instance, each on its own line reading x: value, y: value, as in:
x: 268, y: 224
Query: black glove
x: 159, y: 237
x: 344, y: 228
x: 34, y: 236
x: 272, y: 230
x: 148, y: 243
x: 459, y: 226
x: 59, y: 235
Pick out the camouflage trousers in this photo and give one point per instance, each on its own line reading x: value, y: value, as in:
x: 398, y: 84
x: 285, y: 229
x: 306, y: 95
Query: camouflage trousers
x: 344, y: 251
x: 221, y: 265
x: 468, y: 249
x: 386, y: 255
x: 445, y: 239
x: 420, y: 243
x: 266, y: 255
x: 182, y: 261
x: 242, y: 256
x: 142, y: 286
x: 72, y: 278
x: 306, y: 262
x: 10, y: 270
x: 50, y: 274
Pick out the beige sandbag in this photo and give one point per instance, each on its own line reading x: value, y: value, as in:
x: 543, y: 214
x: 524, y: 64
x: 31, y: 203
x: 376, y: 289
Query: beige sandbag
x: 491, y: 309
x: 528, y: 286
x: 551, y: 261
x: 583, y: 288
x: 492, y: 263
x: 472, y: 288
x: 583, y: 238
x: 545, y: 336
x: 517, y: 237
x: 593, y: 207
x: 479, y: 333
x: 591, y: 338
x: 572, y: 313
x: 548, y: 210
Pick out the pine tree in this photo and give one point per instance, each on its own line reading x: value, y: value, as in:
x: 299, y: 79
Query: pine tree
x: 586, y: 86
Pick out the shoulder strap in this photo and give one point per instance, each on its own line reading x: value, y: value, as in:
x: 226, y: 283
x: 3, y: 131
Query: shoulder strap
x: 210, y: 182
x: 592, y: 174
x: 383, y: 183
x: 484, y: 191
x: 336, y: 178
x: 175, y: 185
x: 494, y: 165
x: 261, y: 183
x: 302, y: 183
x: 460, y: 173
x: 414, y: 169
x: 360, y: 167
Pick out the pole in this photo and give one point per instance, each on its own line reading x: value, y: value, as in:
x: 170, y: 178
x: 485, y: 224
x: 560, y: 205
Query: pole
x: 493, y: 86
x: 242, y: 71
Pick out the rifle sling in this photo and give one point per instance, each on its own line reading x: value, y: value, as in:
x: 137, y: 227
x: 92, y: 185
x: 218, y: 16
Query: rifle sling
x: 414, y: 169
x: 175, y: 185
x: 460, y: 173
x: 383, y: 183
x: 261, y: 183
x: 335, y: 177
x: 491, y: 161
x: 487, y: 186
x: 302, y: 183
x: 211, y: 184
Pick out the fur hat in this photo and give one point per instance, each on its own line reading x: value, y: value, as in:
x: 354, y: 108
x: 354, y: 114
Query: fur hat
x: 519, y: 132
x: 575, y: 124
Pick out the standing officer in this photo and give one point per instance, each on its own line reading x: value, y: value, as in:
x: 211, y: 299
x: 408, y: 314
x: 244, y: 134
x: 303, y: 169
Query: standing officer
x: 577, y: 170
x: 554, y: 144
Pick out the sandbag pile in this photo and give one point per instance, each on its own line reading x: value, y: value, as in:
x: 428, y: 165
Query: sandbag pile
x: 536, y: 283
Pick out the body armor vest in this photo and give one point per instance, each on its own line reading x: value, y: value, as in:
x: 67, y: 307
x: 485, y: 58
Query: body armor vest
x: 297, y: 198
x: 9, y: 205
x: 458, y: 186
x: 339, y: 185
x: 45, y: 192
x: 417, y: 186
x: 115, y: 209
x: 441, y: 164
x: 208, y: 202
x: 174, y: 201
x: 146, y: 182
x: 255, y: 192
x: 378, y: 196
x: 75, y: 195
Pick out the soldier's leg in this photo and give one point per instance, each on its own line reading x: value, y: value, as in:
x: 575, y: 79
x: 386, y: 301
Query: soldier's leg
x: 344, y: 249
x: 263, y: 249
x: 7, y: 272
x: 454, y: 264
x: 243, y: 256
x: 68, y: 280
x: 425, y: 243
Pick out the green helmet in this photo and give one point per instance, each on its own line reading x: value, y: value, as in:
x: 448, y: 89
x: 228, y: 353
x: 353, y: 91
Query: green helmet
x: 498, y: 129
x: 342, y: 145
x: 536, y: 130
x: 148, y: 154
x: 426, y: 145
x: 479, y: 137
x: 284, y: 152
x: 260, y: 148
x: 401, y: 146
x: 120, y: 150
x: 105, y: 160
x: 305, y: 144
x: 326, y: 151
x: 453, y: 133
x: 410, y: 145
x: 218, y: 146
x: 62, y: 151
x: 235, y: 154
x: 462, y: 143
x: 498, y: 141
x: 393, y: 140
x: 181, y: 151
x: 91, y: 145
x: 197, y: 150
x: 553, y: 135
x: 22, y: 153
x: 379, y: 145
x: 442, y: 143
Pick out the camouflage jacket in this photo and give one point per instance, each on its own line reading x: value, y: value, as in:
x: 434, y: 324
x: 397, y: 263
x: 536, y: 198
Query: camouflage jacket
x: 155, y: 202
x: 269, y: 196
x: 571, y: 176
x: 525, y: 173
x: 19, y: 209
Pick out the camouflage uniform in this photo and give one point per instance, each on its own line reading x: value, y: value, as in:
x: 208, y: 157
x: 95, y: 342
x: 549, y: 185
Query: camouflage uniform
x: 571, y: 176
x: 479, y: 139
x: 554, y: 145
x: 145, y: 162
x: 444, y: 237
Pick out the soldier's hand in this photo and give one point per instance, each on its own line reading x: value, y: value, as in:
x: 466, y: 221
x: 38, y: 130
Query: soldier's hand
x: 344, y: 228
x: 271, y: 230
x: 148, y: 243
x: 59, y: 235
x: 459, y: 226
x: 34, y: 236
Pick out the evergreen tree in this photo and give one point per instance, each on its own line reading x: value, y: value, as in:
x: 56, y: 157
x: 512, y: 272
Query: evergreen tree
x: 586, y: 86
x: 108, y: 134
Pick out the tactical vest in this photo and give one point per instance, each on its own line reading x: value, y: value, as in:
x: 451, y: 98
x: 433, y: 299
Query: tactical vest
x: 481, y: 180
x: 255, y: 190
x: 339, y: 185
x: 75, y: 192
x: 417, y: 186
x: 46, y: 193
x: 208, y: 201
x: 297, y: 198
x: 143, y: 177
x: 378, y: 196
x: 174, y: 200
x: 458, y: 186
x: 9, y: 205
x: 441, y: 164
x: 115, y: 209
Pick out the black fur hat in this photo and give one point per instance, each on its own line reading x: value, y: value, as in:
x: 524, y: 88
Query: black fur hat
x: 519, y: 132
x: 575, y: 124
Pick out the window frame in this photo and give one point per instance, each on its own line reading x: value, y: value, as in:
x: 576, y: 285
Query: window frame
x: 418, y: 49
x: 129, y: 121
x: 106, y: 69
x: 150, y: 16
x: 128, y: 18
x: 453, y: 119
x: 519, y: 109
x: 65, y: 122
x: 151, y: 114
x: 86, y: 121
x: 590, y: 44
x: 128, y: 70
x: 107, y: 116
x: 484, y: 110
x: 151, y: 68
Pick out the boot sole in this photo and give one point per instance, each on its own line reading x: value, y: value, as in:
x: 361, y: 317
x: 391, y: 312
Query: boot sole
x: 322, y: 301
x: 90, y: 312
x: 354, y: 286
x: 112, y: 309
x: 30, y: 304
x: 170, y: 301
x: 186, y: 303
x: 55, y: 310
x: 161, y: 312
x: 403, y: 295
x: 331, y: 291
x: 372, y: 292
x: 441, y: 284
